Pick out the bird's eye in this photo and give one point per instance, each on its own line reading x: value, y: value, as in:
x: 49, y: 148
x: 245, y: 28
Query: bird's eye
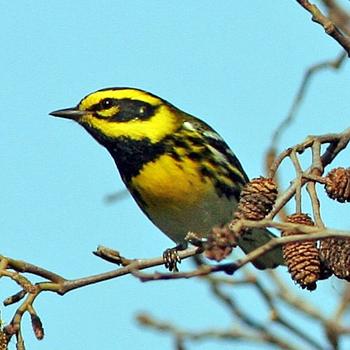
x: 107, y: 103
x: 142, y: 111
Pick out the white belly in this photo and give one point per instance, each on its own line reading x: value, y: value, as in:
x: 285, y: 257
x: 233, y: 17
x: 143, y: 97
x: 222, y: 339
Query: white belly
x: 177, y: 221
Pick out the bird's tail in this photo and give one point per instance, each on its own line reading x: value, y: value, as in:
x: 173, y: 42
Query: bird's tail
x: 255, y: 238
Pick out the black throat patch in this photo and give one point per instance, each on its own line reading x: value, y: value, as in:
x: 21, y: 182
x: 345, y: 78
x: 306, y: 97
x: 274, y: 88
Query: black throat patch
x: 131, y: 155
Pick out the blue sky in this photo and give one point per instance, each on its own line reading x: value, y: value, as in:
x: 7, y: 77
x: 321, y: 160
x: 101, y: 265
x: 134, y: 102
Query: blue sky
x: 236, y: 65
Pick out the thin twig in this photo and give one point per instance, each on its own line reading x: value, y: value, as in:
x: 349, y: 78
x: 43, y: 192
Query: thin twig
x: 343, y: 304
x: 330, y: 28
x: 317, y: 169
x: 286, y: 295
x: 298, y: 180
x: 250, y: 322
x: 235, y: 333
x: 337, y: 142
x: 338, y: 15
x: 283, y: 321
x: 311, y: 233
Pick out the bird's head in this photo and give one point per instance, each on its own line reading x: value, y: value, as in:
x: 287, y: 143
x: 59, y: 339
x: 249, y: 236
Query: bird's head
x: 113, y: 113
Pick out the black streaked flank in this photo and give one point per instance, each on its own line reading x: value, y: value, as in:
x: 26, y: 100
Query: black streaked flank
x: 222, y: 147
x: 225, y: 190
x: 206, y: 172
x: 196, y: 149
x: 180, y: 142
x: 196, y: 141
x: 196, y: 156
x: 221, y: 188
x: 175, y: 155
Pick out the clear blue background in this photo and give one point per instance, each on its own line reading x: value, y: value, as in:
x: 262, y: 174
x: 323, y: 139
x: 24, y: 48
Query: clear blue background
x: 235, y: 64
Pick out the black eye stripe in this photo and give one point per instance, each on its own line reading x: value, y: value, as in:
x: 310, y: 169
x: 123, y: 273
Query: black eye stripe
x: 128, y: 109
x: 106, y: 103
x: 133, y: 109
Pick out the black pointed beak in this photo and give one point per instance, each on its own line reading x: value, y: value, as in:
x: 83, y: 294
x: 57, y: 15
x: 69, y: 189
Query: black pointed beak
x: 68, y: 113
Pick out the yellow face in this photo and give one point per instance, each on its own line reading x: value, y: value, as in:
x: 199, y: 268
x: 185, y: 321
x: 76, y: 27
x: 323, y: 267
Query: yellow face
x: 125, y: 112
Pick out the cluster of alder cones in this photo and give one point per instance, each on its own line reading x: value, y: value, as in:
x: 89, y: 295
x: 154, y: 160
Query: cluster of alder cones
x: 307, y: 261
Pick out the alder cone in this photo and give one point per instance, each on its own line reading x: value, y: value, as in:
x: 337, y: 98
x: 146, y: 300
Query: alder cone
x: 302, y: 258
x: 257, y: 199
x: 335, y: 253
x: 338, y: 184
x: 220, y: 242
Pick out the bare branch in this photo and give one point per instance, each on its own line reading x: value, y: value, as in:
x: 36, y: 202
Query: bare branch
x: 337, y: 142
x: 311, y: 233
x: 330, y: 28
x: 286, y: 295
x: 235, y: 333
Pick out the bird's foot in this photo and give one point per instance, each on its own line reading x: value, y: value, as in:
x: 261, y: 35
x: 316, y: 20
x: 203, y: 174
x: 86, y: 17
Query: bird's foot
x: 171, y: 257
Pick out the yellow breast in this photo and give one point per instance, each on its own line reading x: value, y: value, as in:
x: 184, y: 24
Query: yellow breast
x: 169, y: 182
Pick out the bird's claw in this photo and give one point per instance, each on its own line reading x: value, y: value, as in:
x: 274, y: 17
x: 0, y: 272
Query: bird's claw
x: 171, y: 258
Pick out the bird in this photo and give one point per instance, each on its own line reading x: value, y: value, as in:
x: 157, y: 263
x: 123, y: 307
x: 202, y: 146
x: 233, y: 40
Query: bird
x: 178, y: 169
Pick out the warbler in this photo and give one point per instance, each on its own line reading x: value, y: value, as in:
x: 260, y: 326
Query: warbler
x: 180, y: 172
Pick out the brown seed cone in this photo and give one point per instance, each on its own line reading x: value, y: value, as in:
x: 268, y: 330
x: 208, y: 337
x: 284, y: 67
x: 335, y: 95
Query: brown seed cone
x: 37, y: 327
x: 257, y: 199
x: 338, y: 184
x: 302, y: 258
x: 220, y: 242
x: 3, y: 340
x: 335, y: 252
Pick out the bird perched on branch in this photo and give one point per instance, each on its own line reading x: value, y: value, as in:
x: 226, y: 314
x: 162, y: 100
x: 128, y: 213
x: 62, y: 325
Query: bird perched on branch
x: 180, y: 172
